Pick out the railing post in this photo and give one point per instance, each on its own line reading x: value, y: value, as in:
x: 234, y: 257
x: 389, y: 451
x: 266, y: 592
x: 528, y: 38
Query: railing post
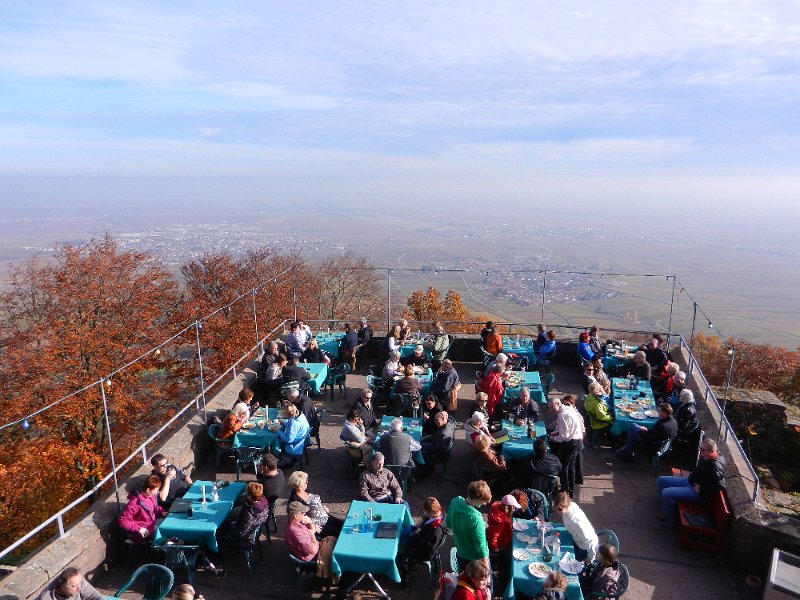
x: 255, y: 317
x: 60, y: 523
x: 144, y: 455
x: 544, y: 290
x: 110, y: 444
x: 197, y: 327
x: 691, y: 339
x: 234, y: 371
x: 671, y: 304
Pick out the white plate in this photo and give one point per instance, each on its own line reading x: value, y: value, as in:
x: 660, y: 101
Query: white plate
x: 414, y: 424
x: 524, y: 537
x: 651, y: 413
x: 570, y: 565
x: 521, y: 554
x: 638, y: 415
x: 520, y: 526
x: 539, y: 570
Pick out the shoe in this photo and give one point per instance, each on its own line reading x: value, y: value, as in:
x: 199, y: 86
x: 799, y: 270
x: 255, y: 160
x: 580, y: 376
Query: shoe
x: 625, y: 457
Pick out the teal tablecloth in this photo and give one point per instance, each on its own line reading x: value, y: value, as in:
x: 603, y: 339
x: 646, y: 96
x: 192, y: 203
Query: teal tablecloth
x: 363, y: 552
x: 258, y: 437
x: 329, y: 343
x: 407, y: 349
x: 425, y: 378
x: 523, y: 446
x: 615, y: 356
x: 622, y: 398
x: 522, y: 348
x: 521, y: 579
x: 203, y: 525
x: 318, y: 371
x: 533, y: 382
x: 415, y: 432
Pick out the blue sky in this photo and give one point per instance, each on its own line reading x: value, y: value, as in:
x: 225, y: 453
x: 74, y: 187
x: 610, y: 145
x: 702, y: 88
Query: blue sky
x: 343, y: 99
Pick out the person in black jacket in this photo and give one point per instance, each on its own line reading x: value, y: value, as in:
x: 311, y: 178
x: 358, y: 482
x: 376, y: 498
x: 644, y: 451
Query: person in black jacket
x: 666, y: 428
x: 363, y: 406
x: 686, y: 414
x: 428, y: 537
x: 294, y: 372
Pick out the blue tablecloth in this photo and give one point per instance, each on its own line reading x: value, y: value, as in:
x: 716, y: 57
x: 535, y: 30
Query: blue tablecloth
x: 329, y: 343
x: 415, y: 432
x: 521, y: 579
x: 616, y: 356
x: 522, y: 348
x: 258, y: 437
x: 623, y: 398
x: 202, y: 527
x: 523, y: 446
x: 425, y: 378
x: 363, y: 552
x: 318, y: 371
x: 533, y: 382
x: 407, y: 349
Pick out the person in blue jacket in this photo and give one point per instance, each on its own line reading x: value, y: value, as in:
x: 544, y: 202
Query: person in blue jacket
x: 584, y: 349
x: 292, y: 434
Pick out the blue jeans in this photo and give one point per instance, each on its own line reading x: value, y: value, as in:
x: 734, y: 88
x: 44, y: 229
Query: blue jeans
x: 672, y: 490
x: 634, y: 433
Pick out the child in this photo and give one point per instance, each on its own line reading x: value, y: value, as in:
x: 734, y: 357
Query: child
x: 603, y: 574
x: 428, y: 537
x: 555, y: 584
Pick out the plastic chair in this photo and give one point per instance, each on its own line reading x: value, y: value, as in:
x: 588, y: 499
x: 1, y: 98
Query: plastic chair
x: 610, y: 538
x: 546, y: 484
x: 376, y: 384
x: 337, y: 376
x: 176, y: 556
x: 270, y: 519
x: 663, y: 451
x: 622, y: 584
x: 354, y: 459
x: 221, y: 447
x: 404, y: 403
x: 454, y: 560
x: 304, y: 570
x: 434, y: 566
x: 158, y: 581
x: 247, y: 456
x: 253, y: 542
x: 443, y: 458
x: 402, y: 473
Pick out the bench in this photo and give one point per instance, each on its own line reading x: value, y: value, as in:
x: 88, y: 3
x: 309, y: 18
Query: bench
x: 703, y: 528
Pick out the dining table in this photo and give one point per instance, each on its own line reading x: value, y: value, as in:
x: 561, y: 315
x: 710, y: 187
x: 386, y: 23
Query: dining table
x: 520, y: 346
x: 520, y: 445
x: 257, y: 434
x: 528, y: 568
x: 424, y: 376
x: 528, y: 379
x: 206, y: 518
x: 617, y: 355
x: 318, y: 372
x: 632, y: 407
x: 358, y: 549
x: 329, y: 342
x: 407, y: 349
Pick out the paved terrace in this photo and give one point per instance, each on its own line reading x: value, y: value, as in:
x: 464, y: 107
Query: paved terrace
x: 614, y: 495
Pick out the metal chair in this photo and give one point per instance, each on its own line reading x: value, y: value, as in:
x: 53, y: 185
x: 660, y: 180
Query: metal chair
x: 402, y: 473
x: 158, y: 581
x: 247, y: 456
x: 610, y: 538
x: 177, y: 555
x: 622, y: 584
x: 337, y: 376
x: 221, y: 447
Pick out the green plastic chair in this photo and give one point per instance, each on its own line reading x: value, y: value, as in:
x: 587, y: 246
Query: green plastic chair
x: 610, y: 538
x: 158, y: 581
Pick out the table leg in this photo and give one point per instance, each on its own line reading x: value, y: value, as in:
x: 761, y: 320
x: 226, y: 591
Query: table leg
x: 376, y: 585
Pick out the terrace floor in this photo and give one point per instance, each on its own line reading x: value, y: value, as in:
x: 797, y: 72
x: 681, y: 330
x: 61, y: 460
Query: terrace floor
x: 614, y: 495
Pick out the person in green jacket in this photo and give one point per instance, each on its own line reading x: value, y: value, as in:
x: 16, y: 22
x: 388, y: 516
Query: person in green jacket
x: 597, y: 409
x: 467, y: 524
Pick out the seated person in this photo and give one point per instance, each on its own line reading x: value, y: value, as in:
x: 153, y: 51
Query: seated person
x: 547, y: 351
x: 428, y: 537
x: 539, y: 471
x: 430, y: 408
x: 541, y: 337
x: 554, y: 587
x: 247, y: 396
x: 304, y: 405
x: 378, y: 484
x: 585, y: 353
x: 486, y: 331
x: 242, y: 519
x: 587, y: 377
x: 594, y: 341
x: 70, y: 585
x: 408, y: 384
x: 655, y: 355
x: 686, y: 415
x: 475, y: 426
x: 405, y: 331
x: 602, y: 576
x: 651, y: 440
x: 435, y: 447
x: 271, y: 477
x: 138, y: 519
x: 293, y: 372
x: 446, y: 384
x: 706, y: 479
x: 391, y: 369
x: 482, y: 406
x: 597, y: 404
x: 292, y: 431
x: 678, y: 385
x: 313, y: 353
x: 584, y: 538
x: 234, y: 421
x: 354, y: 435
x: 363, y: 406
x: 397, y: 446
x: 531, y: 506
x: 319, y: 514
x: 440, y: 346
x: 521, y: 410
x: 600, y: 375
x: 174, y: 482
x: 473, y: 583
x: 417, y: 359
x: 500, y: 359
x: 662, y: 382
x: 295, y: 341
x: 637, y: 366
x: 301, y: 542
x: 487, y: 459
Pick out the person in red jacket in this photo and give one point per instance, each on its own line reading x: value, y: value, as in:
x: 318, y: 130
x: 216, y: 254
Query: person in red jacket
x: 138, y: 519
x: 498, y: 534
x: 492, y: 385
x: 473, y: 583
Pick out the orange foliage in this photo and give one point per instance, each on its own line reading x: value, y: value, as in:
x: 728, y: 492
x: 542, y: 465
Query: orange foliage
x: 429, y: 306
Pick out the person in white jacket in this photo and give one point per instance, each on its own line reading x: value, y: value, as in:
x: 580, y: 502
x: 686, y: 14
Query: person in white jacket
x: 584, y: 538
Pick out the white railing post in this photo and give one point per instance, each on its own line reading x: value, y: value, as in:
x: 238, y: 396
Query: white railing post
x: 197, y: 327
x: 110, y: 443
x: 60, y: 523
x: 144, y: 455
x: 255, y: 316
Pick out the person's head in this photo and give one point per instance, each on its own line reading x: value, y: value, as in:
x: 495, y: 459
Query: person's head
x: 595, y: 389
x: 540, y: 447
x: 397, y: 424
x: 520, y: 497
x: 409, y: 370
x: 431, y: 507
x: 376, y: 462
x: 69, y: 582
x: 510, y: 503
x: 289, y: 411
x: 551, y: 335
x: 298, y: 479
x: 245, y: 395
x: 440, y: 419
x: 312, y: 344
x: 160, y: 463
x: 639, y: 357
x: 447, y: 364
x: 672, y: 368
x: 293, y: 326
x: 499, y: 368
x: 597, y: 363
x: 554, y: 405
x: 151, y: 484
x: 656, y: 340
x: 588, y: 368
x: 490, y: 325
x: 404, y: 323
x: 282, y: 360
x: 294, y: 359
x: 540, y: 328
x: 568, y: 400
x: 296, y: 511
x: 594, y: 331
x: 477, y: 419
x: 561, y: 502
x: 300, y: 324
x: 353, y: 416
x: 418, y: 350
x: 501, y: 359
x: 395, y: 332
x: 272, y: 347
x: 481, y: 398
x: 555, y: 581
x: 478, y: 492
x: 346, y: 327
x: 524, y: 395
x: 240, y: 410
x: 478, y: 573
x: 270, y: 462
x: 183, y: 591
x: 608, y: 554
x: 482, y: 443
x: 293, y: 395
x: 366, y: 395
x: 664, y: 410
x: 394, y: 355
x: 362, y: 321
x: 679, y: 378
x: 708, y: 448
x: 584, y: 337
x: 686, y: 396
x: 255, y: 491
x: 430, y: 402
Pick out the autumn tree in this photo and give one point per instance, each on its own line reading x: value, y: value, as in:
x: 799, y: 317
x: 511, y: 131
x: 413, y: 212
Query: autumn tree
x: 429, y: 306
x: 348, y: 289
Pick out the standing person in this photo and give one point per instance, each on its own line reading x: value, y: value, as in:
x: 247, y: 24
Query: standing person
x: 492, y: 385
x: 498, y: 533
x: 547, y: 351
x: 569, y: 433
x: 138, y: 519
x: 70, y: 585
x: 465, y: 521
x: 541, y: 337
x: 584, y: 538
x: 347, y: 347
x: 446, y: 385
x: 365, y: 334
x: 474, y: 583
x: 441, y: 344
x: 494, y: 343
x: 174, y: 482
x: 486, y: 332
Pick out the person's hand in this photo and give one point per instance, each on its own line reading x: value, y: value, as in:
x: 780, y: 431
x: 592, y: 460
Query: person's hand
x: 642, y: 429
x: 143, y: 532
x: 171, y: 473
x: 696, y: 487
x: 398, y: 500
x: 520, y: 422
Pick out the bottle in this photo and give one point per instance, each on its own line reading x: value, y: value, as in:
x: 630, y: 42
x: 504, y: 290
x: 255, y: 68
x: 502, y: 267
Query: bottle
x: 215, y: 493
x: 530, y: 430
x: 189, y: 512
x: 557, y: 546
x: 365, y: 522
